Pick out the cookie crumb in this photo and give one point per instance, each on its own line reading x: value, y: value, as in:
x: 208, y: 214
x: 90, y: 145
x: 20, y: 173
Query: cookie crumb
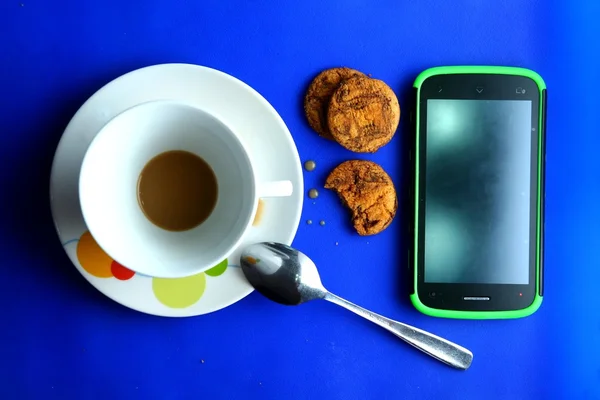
x: 309, y: 222
x: 336, y: 243
x: 313, y: 193
x: 322, y: 223
x: 202, y: 361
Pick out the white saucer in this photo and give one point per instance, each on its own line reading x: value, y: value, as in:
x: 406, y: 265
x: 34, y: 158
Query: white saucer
x: 240, y: 107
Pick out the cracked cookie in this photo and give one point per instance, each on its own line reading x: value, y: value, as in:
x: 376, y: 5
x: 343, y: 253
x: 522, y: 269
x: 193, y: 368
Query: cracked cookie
x: 363, y: 114
x: 319, y: 93
x: 368, y: 191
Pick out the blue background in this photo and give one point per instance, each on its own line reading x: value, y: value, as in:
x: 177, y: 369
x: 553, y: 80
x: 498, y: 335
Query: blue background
x: 60, y: 338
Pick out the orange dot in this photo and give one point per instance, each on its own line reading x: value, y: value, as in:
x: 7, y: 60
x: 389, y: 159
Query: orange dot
x: 92, y: 258
x: 120, y: 272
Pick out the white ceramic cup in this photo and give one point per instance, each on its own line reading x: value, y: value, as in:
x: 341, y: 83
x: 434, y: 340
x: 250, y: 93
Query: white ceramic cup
x: 108, y: 189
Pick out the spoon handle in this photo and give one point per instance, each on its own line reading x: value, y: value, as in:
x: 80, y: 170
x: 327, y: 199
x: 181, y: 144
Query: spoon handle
x: 437, y: 347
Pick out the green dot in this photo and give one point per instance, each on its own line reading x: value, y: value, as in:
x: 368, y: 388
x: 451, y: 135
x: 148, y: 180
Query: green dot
x: 218, y: 269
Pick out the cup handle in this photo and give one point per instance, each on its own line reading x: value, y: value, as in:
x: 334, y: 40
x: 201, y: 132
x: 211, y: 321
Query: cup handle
x: 275, y: 189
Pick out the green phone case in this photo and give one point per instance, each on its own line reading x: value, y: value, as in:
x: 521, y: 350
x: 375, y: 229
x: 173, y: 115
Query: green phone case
x: 540, y: 154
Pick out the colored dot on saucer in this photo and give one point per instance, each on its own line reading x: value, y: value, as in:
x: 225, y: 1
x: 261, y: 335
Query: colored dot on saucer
x: 92, y: 258
x: 260, y: 210
x: 120, y: 272
x: 180, y: 292
x: 218, y: 269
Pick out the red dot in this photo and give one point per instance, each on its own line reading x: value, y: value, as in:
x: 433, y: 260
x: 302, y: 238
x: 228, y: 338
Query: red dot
x: 120, y: 272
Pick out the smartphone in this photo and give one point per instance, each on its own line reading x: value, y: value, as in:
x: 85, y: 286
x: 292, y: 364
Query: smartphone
x: 478, y: 192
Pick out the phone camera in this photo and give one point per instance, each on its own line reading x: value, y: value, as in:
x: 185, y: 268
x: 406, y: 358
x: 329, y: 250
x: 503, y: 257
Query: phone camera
x: 432, y: 294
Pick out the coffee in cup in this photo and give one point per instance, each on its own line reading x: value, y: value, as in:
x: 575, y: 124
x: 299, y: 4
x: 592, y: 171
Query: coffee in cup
x: 177, y: 190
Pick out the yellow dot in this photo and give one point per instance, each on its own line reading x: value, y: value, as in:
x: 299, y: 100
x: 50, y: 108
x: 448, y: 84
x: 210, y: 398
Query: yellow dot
x: 180, y: 292
x: 260, y: 209
x: 92, y: 258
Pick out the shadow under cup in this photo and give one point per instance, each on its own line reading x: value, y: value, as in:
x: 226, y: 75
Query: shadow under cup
x: 108, y: 189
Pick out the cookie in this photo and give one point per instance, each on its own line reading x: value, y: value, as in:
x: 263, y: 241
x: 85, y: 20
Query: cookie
x: 368, y: 191
x: 319, y: 93
x: 363, y: 114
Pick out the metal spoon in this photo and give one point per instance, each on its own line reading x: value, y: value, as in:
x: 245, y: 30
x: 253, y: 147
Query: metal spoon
x: 289, y: 277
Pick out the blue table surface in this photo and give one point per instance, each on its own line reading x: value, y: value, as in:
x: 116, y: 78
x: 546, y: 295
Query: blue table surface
x: 60, y: 338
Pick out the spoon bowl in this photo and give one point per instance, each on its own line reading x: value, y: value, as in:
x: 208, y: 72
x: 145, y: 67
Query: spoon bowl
x: 287, y: 276
x: 284, y: 276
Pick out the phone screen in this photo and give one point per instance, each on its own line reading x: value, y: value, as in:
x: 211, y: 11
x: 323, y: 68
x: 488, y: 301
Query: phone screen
x: 477, y: 191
